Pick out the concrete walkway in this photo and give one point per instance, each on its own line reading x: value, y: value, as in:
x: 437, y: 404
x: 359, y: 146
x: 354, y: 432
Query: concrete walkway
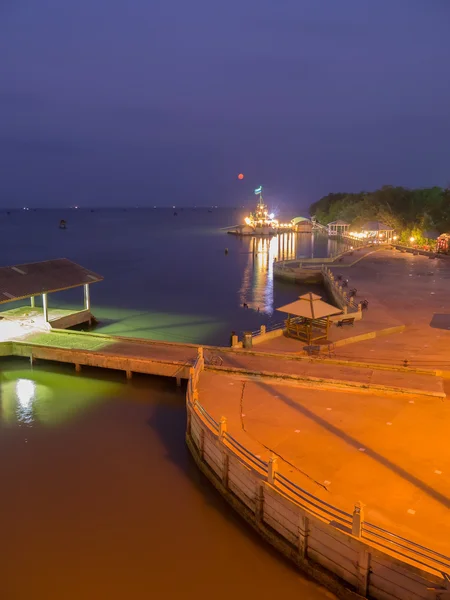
x: 401, y: 289
x: 388, y: 452
x: 327, y: 373
x: 411, y: 289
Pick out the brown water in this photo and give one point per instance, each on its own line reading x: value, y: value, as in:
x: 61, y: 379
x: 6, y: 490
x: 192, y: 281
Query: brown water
x: 101, y: 500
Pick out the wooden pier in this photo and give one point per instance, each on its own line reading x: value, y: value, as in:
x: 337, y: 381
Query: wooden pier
x: 171, y: 359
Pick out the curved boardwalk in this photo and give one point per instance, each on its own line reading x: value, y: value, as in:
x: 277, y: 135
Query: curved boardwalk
x: 343, y: 550
x: 386, y: 451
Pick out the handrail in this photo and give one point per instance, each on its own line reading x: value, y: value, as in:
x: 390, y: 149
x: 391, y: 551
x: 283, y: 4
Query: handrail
x: 274, y: 326
x: 392, y: 542
x: 214, y: 424
x: 243, y: 450
x: 406, y: 544
x: 314, y: 504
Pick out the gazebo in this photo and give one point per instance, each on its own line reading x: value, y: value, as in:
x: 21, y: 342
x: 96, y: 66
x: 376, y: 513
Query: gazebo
x: 35, y: 281
x: 338, y: 228
x: 375, y: 230
x: 309, y: 318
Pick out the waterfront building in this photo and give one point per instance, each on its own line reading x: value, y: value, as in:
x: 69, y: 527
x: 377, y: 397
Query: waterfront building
x: 338, y: 228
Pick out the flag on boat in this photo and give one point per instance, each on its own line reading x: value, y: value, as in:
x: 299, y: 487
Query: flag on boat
x: 259, y: 190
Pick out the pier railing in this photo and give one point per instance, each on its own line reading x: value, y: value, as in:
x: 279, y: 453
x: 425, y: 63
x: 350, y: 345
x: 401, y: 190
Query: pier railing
x: 337, y: 291
x: 369, y: 558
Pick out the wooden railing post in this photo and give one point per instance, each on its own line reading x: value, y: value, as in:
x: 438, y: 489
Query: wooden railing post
x: 225, y: 458
x: 189, y: 419
x: 222, y: 427
x: 259, y: 510
x: 272, y: 469
x: 202, y: 443
x: 363, y: 571
x: 358, y: 519
x: 200, y: 361
x: 263, y: 330
x: 303, y: 533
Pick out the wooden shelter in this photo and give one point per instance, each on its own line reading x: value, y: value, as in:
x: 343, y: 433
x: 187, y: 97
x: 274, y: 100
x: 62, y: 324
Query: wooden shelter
x: 39, y: 279
x: 338, y: 228
x: 309, y: 318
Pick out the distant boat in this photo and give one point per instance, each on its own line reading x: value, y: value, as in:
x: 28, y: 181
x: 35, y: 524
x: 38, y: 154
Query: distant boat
x: 259, y: 223
x: 62, y: 224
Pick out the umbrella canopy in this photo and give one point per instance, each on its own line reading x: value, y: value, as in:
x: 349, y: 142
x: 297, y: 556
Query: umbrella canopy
x: 310, y: 306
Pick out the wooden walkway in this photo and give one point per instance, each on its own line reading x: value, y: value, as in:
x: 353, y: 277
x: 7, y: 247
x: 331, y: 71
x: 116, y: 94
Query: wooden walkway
x: 134, y: 355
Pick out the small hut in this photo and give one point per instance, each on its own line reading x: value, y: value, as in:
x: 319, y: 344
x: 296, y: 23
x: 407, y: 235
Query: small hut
x: 309, y: 318
x: 338, y: 228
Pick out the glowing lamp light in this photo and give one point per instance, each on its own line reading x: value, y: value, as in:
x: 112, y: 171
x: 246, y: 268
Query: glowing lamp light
x: 412, y: 239
x: 241, y: 176
x: 247, y: 221
x: 394, y: 238
x: 271, y: 216
x: 25, y: 391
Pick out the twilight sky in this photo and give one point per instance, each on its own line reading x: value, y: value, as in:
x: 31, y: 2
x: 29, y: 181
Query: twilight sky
x: 126, y: 102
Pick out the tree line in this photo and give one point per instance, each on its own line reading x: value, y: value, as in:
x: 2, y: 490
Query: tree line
x: 411, y: 212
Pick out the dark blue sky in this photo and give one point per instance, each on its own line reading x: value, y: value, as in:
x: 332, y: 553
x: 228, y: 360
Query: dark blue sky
x: 117, y: 102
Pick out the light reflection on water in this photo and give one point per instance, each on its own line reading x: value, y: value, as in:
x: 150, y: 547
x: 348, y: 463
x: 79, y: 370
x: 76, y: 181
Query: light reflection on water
x: 90, y: 506
x: 257, y: 288
x: 38, y: 397
x: 25, y: 392
x: 257, y: 281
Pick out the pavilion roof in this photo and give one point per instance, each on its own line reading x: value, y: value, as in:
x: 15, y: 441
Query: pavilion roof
x: 31, y: 279
x: 310, y: 306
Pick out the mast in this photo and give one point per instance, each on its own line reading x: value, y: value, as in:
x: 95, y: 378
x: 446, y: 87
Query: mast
x: 261, y: 212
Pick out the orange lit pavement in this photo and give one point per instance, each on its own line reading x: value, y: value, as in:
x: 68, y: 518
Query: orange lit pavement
x: 389, y: 452
x: 401, y: 289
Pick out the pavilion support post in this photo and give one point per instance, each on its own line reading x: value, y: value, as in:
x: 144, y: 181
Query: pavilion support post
x: 32, y: 301
x: 45, y: 306
x: 87, y: 299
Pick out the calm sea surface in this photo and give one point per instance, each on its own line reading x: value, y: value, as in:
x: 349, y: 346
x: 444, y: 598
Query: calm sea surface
x: 99, y: 496
x: 166, y: 277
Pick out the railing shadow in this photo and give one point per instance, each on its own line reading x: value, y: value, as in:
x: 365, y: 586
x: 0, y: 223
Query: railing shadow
x: 350, y: 440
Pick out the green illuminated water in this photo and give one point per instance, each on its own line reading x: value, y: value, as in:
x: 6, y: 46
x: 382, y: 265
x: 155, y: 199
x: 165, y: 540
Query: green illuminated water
x: 100, y: 498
